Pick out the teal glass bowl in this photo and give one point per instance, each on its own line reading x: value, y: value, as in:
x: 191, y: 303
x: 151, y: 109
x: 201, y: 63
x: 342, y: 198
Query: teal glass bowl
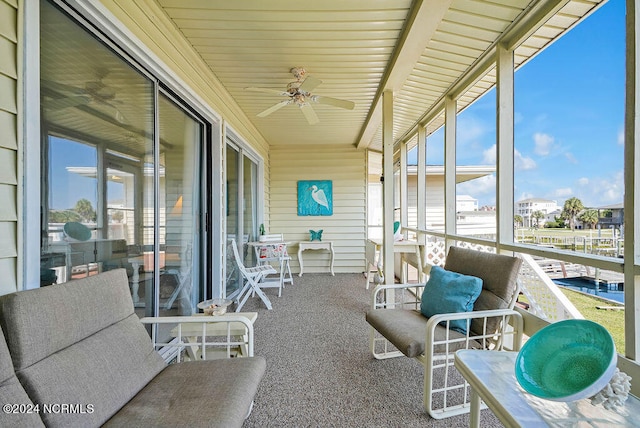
x: 76, y: 231
x: 567, y: 361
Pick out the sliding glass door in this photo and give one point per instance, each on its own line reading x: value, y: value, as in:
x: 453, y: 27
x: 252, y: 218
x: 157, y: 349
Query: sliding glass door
x: 122, y: 177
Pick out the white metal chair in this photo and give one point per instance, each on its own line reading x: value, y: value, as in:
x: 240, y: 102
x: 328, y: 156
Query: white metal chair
x: 254, y: 277
x: 398, y: 327
x: 275, y: 250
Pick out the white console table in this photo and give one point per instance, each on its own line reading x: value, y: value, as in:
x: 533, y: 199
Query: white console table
x: 491, y: 375
x: 315, y: 245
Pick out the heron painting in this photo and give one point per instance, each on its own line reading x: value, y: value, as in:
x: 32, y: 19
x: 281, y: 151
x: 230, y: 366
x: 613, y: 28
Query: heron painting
x: 315, y: 197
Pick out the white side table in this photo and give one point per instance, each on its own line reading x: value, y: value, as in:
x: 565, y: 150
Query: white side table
x: 491, y: 375
x: 315, y: 245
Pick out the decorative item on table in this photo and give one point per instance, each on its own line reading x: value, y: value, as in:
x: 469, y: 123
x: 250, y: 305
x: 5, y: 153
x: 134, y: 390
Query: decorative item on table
x: 76, y: 231
x: 570, y: 360
x: 214, y: 306
x: 262, y: 237
x: 316, y: 235
x: 315, y: 197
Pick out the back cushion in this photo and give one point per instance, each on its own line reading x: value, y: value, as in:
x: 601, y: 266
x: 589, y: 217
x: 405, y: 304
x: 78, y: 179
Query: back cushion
x: 79, y: 343
x: 11, y: 392
x: 498, y: 273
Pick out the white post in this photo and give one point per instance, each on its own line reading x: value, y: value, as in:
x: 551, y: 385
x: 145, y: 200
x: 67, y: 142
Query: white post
x: 387, y: 186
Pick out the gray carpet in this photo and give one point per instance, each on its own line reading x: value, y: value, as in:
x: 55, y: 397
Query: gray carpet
x: 320, y: 372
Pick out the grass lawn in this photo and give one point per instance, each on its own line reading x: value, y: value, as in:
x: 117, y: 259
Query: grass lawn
x: 612, y: 320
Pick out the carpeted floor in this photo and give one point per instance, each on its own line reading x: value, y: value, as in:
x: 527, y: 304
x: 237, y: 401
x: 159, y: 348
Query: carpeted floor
x: 320, y: 372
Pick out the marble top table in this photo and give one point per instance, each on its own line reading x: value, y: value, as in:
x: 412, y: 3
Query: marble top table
x: 491, y: 375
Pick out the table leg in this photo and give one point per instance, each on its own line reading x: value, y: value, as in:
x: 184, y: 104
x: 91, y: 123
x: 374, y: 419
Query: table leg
x: 300, y: 261
x: 332, y: 257
x: 474, y: 421
x: 135, y: 282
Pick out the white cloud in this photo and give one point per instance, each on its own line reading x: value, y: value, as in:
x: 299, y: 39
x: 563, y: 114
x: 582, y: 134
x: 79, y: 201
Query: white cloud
x: 570, y: 157
x: 621, y: 137
x: 584, y: 181
x: 563, y: 192
x: 478, y: 187
x: 489, y: 155
x: 607, y: 190
x: 522, y: 163
x: 543, y: 143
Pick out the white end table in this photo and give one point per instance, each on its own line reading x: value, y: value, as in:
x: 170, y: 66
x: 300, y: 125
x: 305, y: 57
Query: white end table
x: 491, y: 375
x: 315, y: 245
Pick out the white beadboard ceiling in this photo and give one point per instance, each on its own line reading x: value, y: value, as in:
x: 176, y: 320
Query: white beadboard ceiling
x: 359, y: 48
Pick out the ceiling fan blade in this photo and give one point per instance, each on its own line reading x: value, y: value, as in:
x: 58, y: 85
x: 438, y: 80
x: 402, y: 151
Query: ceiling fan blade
x: 309, y: 114
x: 349, y: 105
x: 65, y: 102
x: 309, y: 84
x: 274, y: 108
x: 266, y: 91
x: 61, y: 87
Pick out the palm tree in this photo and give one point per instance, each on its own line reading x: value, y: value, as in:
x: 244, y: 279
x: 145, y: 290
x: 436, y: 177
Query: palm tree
x: 572, y: 207
x: 589, y: 217
x: 517, y: 221
x: 537, y: 216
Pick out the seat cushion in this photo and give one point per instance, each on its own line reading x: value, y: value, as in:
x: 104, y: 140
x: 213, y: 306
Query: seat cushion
x: 175, y: 396
x: 407, y: 330
x: 450, y: 292
x: 12, y: 392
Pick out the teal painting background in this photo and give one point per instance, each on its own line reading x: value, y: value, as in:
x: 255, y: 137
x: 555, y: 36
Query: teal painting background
x: 307, y: 205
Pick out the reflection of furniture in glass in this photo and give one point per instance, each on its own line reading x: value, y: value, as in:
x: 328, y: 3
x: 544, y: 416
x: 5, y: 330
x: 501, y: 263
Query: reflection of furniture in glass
x: 491, y: 376
x: 255, y: 277
x: 146, y: 261
x: 315, y: 245
x: 274, y: 249
x: 82, y: 257
x: 228, y: 335
x: 52, y: 266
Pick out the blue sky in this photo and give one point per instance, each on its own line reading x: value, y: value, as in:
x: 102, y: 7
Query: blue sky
x: 569, y: 114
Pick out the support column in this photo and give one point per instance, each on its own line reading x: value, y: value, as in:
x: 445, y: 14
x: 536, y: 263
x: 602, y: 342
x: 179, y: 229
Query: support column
x: 504, y: 147
x: 450, y: 167
x: 632, y: 185
x: 387, y: 187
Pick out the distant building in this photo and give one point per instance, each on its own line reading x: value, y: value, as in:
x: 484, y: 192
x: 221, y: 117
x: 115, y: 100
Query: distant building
x: 610, y: 216
x: 466, y: 203
x: 526, y: 207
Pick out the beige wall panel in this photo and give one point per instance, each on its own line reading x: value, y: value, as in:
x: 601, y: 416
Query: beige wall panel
x: 8, y: 165
x: 8, y: 20
x: 345, y: 167
x: 8, y: 146
x: 8, y: 239
x: 8, y: 196
x: 9, y: 127
x: 8, y: 93
x: 8, y: 269
x: 8, y: 64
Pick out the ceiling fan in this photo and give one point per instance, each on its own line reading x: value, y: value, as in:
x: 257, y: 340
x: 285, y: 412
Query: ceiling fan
x: 299, y: 93
x: 94, y: 93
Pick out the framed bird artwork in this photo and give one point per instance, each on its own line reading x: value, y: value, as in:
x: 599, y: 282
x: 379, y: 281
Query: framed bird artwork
x: 315, y: 197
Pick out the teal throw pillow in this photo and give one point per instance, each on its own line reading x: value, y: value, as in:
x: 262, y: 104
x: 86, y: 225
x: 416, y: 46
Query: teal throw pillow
x: 396, y: 226
x: 450, y: 292
x: 316, y: 236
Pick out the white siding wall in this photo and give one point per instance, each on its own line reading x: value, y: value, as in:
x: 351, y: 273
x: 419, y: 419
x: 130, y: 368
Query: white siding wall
x: 345, y: 166
x: 8, y: 146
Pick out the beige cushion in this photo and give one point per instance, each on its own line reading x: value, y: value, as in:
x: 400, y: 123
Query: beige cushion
x: 79, y: 342
x: 12, y: 392
x: 498, y: 273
